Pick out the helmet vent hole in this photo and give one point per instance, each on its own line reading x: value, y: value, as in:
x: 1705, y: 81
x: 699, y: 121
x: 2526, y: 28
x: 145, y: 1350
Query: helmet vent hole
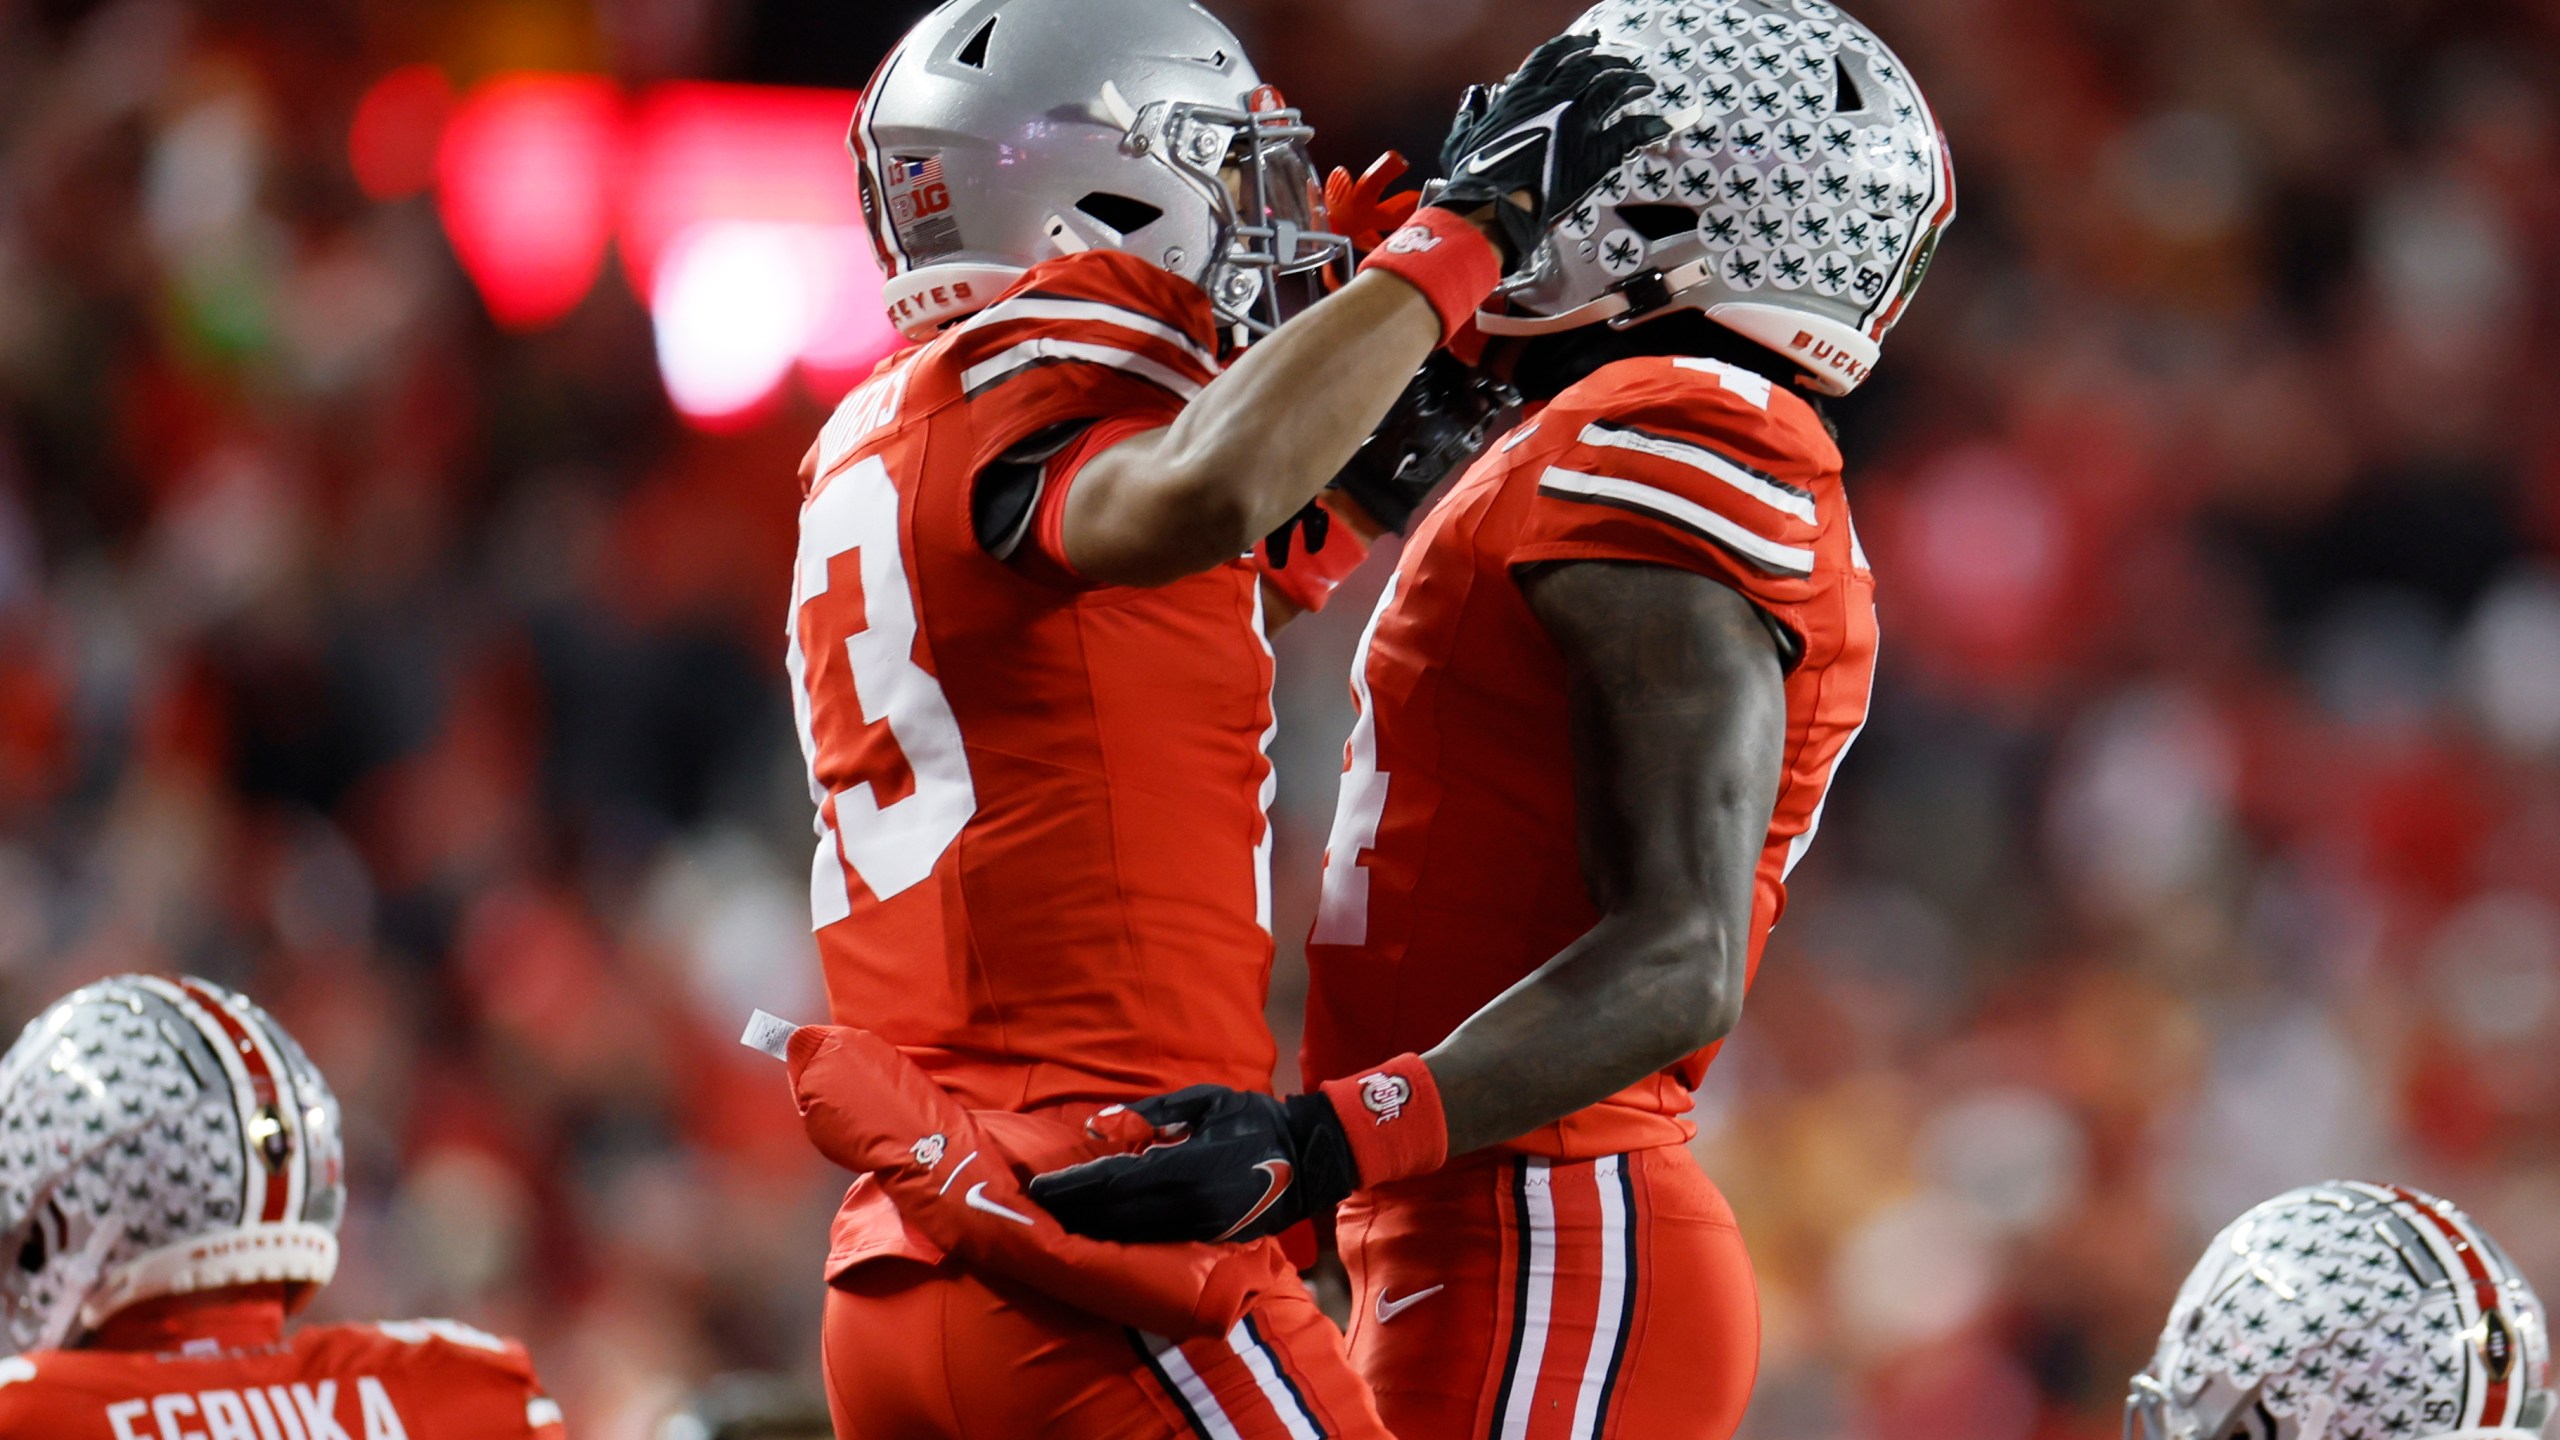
x: 1122, y: 214
x: 38, y: 1247
x: 1658, y: 222
x: 974, y: 54
x: 1851, y: 99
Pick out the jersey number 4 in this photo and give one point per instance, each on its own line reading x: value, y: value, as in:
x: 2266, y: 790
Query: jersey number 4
x: 886, y: 766
x: 1342, y: 910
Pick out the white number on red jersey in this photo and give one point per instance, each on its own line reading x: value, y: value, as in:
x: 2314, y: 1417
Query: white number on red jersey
x: 850, y: 590
x: 1342, y: 911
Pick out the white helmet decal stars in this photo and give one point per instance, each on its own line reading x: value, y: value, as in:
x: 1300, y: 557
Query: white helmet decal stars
x: 144, y: 1118
x: 2349, y: 1299
x: 1811, y: 169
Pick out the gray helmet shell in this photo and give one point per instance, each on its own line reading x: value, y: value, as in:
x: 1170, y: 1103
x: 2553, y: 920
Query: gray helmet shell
x: 1000, y: 133
x: 158, y: 1137
x: 2347, y: 1311
x: 1797, y: 200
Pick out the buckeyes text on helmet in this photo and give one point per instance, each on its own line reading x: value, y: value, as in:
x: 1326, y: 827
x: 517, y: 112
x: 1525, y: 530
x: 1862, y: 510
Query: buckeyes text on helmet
x: 1797, y: 201
x: 1000, y: 133
x: 159, y: 1137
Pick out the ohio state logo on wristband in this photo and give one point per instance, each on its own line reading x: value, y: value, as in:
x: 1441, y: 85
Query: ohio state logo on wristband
x: 928, y: 1151
x: 1454, y: 278
x: 1411, y: 240
x: 1385, y: 1095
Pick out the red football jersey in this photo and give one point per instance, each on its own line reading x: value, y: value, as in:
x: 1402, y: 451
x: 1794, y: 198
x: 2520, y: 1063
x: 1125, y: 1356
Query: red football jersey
x: 422, y: 1380
x: 1453, y: 871
x: 1042, y: 866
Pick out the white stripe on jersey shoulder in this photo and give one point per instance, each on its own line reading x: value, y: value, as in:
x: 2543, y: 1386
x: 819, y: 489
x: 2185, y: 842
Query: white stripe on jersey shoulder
x: 1098, y: 312
x: 1519, y: 437
x: 452, y: 1332
x: 1032, y: 353
x: 1785, y: 499
x: 1687, y: 514
x: 542, y: 1410
x: 1745, y: 386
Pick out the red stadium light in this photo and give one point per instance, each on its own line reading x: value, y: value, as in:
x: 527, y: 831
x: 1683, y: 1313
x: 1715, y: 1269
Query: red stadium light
x: 733, y: 206
x: 391, y: 145
x: 527, y: 180
x: 703, y: 153
x: 740, y: 226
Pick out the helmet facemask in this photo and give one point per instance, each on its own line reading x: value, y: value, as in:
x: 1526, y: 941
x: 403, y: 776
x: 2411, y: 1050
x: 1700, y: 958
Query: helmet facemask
x: 1251, y: 168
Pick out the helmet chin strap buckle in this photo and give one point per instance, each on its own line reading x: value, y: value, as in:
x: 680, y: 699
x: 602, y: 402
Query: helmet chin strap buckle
x: 1650, y: 291
x: 1644, y: 293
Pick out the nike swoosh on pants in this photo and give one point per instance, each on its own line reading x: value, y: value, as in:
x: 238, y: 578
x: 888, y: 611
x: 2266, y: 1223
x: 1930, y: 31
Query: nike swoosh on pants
x: 1390, y: 1309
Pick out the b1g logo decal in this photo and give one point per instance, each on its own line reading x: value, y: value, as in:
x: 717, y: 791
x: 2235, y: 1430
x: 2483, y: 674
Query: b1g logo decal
x: 919, y: 206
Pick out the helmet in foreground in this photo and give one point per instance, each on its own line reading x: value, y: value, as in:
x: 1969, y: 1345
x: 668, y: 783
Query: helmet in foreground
x: 1797, y: 201
x: 158, y: 1137
x: 1000, y: 133
x: 2346, y: 1311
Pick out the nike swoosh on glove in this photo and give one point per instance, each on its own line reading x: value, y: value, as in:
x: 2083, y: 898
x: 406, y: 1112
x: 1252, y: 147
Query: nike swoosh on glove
x: 1544, y: 134
x: 1226, y: 1165
x: 871, y: 1110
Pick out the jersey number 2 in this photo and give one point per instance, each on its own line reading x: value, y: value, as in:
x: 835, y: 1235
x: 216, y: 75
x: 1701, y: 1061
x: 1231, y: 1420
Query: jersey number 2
x: 851, y: 592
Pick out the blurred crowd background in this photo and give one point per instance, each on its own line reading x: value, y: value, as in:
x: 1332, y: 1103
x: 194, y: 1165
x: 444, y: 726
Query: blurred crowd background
x: 422, y: 675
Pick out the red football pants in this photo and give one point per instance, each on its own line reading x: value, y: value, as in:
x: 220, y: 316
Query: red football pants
x: 917, y: 1352
x: 1530, y: 1300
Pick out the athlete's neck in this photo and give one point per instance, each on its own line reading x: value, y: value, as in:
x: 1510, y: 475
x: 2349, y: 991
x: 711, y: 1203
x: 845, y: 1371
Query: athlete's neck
x: 243, y: 1317
x: 1547, y: 365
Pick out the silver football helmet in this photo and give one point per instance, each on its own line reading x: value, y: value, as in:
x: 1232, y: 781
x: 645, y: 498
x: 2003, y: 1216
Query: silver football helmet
x: 1000, y: 133
x: 2346, y: 1311
x: 1797, y: 200
x: 158, y: 1137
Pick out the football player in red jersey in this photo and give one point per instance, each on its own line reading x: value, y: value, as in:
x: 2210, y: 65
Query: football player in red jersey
x: 170, y: 1188
x: 1600, y: 705
x: 1032, y: 682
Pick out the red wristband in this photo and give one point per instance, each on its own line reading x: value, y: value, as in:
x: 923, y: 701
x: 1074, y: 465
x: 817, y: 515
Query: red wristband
x: 1449, y: 260
x: 1309, y: 579
x: 1393, y: 1118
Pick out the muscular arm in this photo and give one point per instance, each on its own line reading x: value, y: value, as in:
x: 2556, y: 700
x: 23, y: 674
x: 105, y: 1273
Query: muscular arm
x: 1679, y: 719
x: 1257, y: 443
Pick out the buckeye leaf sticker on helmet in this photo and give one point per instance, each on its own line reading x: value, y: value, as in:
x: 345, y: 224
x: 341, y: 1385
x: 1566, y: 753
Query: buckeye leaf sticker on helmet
x: 1813, y: 175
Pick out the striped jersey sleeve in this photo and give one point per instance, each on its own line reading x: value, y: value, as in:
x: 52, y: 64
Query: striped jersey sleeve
x: 1090, y: 337
x: 1703, y: 470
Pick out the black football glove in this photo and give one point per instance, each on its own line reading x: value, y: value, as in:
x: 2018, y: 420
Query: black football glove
x: 1311, y: 521
x: 1546, y: 134
x: 1228, y: 1166
x: 1437, y: 426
